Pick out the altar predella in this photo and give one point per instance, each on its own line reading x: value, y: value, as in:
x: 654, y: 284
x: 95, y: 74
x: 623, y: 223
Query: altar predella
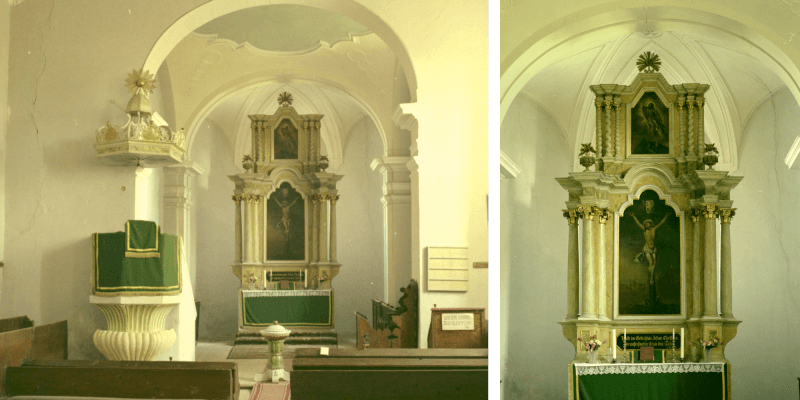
x: 285, y: 224
x: 648, y: 214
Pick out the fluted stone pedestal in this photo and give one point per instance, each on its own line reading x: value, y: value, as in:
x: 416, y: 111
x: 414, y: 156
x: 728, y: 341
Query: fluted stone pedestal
x: 135, y: 326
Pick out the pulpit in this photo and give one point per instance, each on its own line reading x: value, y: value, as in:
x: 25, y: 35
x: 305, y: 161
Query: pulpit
x: 644, y: 223
x: 285, y: 225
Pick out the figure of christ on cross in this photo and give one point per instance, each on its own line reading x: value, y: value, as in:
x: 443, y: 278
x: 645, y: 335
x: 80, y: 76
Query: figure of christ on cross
x: 648, y: 253
x: 285, y: 206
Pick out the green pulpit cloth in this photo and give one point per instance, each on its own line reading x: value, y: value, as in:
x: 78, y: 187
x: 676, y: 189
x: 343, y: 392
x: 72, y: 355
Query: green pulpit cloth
x: 142, y: 239
x: 288, y: 307
x: 677, y: 381
x: 114, y: 274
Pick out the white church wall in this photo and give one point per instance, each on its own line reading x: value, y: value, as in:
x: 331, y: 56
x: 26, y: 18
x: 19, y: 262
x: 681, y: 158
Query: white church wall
x: 216, y: 286
x: 765, y: 253
x: 535, y: 236
x: 359, y: 219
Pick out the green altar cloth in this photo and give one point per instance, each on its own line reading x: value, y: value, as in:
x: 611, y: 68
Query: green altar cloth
x: 114, y: 274
x: 679, y: 381
x: 288, y: 307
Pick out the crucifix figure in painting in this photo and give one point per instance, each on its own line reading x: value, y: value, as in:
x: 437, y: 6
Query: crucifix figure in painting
x: 285, y: 206
x: 648, y: 253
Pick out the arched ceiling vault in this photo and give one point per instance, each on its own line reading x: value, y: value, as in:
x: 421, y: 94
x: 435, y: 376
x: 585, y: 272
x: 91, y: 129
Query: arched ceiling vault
x: 739, y: 82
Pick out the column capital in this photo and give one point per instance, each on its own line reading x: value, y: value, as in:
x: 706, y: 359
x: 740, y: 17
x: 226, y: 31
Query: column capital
x: 726, y: 215
x: 334, y: 198
x: 602, y: 215
x: 587, y: 212
x: 571, y: 216
x: 695, y: 214
x: 251, y: 198
x: 710, y: 211
x: 237, y: 198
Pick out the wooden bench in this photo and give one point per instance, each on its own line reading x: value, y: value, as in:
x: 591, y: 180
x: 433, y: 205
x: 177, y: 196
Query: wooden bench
x: 20, y: 341
x: 124, y: 379
x: 391, y: 374
x: 392, y: 327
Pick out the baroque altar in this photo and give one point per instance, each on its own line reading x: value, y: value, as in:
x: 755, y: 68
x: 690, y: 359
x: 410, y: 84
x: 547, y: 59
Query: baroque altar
x: 651, y: 216
x: 285, y: 224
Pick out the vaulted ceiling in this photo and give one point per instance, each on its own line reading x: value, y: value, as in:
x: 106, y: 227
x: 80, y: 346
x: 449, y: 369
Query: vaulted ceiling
x: 739, y: 81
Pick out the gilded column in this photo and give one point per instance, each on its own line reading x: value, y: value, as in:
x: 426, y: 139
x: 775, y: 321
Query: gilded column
x: 710, y: 278
x: 572, y: 263
x: 618, y: 134
x: 697, y: 266
x: 589, y: 306
x: 701, y: 136
x: 690, y: 122
x: 726, y: 284
x: 602, y: 286
x: 681, y: 104
x: 333, y: 227
x: 248, y: 225
x: 323, y: 228
x: 599, y: 130
x: 314, y: 201
x: 607, y: 135
x: 238, y: 230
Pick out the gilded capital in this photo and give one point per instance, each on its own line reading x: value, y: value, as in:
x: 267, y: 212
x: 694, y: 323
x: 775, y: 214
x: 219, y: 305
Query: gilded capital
x: 587, y: 212
x: 602, y: 215
x: 334, y: 199
x: 572, y: 216
x: 695, y: 214
x: 710, y: 211
x: 237, y: 198
x: 726, y: 215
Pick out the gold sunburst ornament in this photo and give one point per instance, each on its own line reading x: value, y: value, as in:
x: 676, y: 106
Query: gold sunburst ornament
x: 140, y: 80
x: 285, y: 99
x: 648, y: 62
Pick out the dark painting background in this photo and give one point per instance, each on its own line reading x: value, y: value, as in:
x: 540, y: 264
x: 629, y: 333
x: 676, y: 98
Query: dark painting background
x: 644, y: 136
x: 285, y: 141
x: 279, y: 246
x: 635, y: 294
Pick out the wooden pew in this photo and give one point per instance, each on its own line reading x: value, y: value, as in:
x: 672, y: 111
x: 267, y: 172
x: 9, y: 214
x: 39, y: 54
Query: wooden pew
x: 47, y: 342
x: 390, y: 374
x: 391, y: 327
x: 124, y: 379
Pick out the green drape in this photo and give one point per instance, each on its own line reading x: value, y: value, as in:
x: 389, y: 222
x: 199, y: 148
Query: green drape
x: 287, y: 310
x: 115, y: 275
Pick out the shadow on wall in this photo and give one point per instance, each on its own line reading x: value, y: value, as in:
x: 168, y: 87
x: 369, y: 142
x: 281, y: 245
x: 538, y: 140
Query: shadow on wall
x: 66, y: 295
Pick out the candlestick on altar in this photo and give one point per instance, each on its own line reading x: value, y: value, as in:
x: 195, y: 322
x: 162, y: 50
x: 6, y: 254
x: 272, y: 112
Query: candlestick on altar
x: 264, y: 281
x: 614, y: 344
x: 305, y: 278
x: 681, y: 344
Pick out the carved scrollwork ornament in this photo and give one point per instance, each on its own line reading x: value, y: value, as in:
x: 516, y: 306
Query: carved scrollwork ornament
x: 726, y: 215
x: 572, y: 216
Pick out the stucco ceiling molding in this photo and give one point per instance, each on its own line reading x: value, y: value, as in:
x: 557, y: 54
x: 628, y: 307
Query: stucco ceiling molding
x: 214, y: 39
x: 549, y: 43
x: 352, y: 9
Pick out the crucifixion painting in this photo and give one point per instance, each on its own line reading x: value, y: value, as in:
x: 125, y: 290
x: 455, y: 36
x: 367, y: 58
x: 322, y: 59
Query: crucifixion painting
x: 285, y: 224
x: 650, y: 258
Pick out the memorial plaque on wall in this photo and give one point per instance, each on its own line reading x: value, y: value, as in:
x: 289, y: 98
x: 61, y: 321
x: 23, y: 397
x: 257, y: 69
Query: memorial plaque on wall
x: 448, y: 269
x: 286, y: 225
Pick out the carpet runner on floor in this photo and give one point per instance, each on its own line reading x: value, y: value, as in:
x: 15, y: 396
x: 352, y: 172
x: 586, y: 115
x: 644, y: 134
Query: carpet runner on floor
x: 270, y: 391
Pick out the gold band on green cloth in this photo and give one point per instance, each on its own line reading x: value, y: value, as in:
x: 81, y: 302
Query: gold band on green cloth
x: 149, y: 252
x: 133, y: 289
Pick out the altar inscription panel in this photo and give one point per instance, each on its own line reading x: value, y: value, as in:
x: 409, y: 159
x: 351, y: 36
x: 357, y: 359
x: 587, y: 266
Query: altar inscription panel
x: 650, y: 126
x: 649, y: 258
x: 286, y: 225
